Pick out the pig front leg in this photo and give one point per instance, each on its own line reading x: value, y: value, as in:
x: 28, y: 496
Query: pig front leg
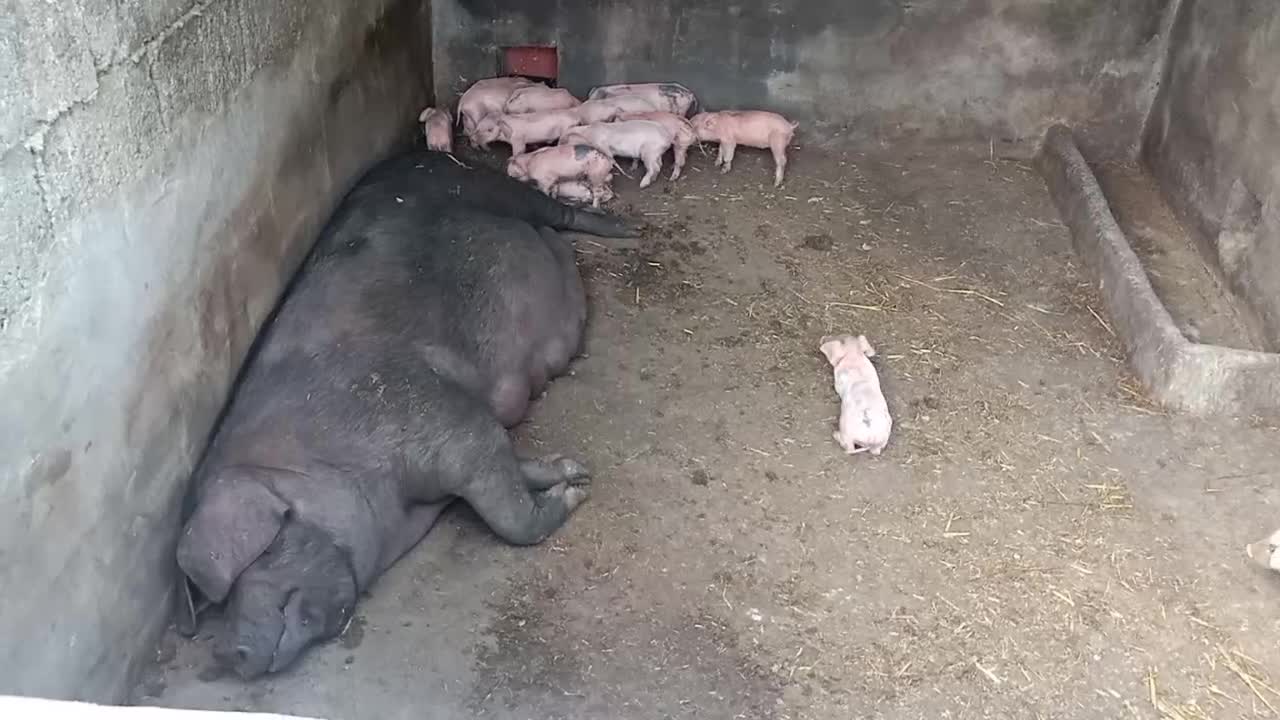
x: 778, y: 146
x: 726, y: 150
x: 652, y: 166
x: 681, y: 154
x: 517, y: 146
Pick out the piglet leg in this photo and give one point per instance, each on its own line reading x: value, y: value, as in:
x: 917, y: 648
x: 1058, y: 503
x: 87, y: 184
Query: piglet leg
x: 652, y: 166
x: 778, y: 145
x: 681, y: 153
x: 727, y: 149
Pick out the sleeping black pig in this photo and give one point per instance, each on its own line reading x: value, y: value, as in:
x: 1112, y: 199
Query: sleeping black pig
x: 435, y: 304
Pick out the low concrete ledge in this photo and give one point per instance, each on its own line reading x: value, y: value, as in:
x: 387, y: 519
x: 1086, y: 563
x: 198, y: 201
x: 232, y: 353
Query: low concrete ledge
x: 1179, y: 374
x: 16, y: 707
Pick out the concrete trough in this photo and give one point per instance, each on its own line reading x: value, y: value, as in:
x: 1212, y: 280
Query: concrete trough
x: 1179, y: 374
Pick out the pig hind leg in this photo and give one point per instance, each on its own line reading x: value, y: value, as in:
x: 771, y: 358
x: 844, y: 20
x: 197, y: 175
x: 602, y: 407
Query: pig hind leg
x: 522, y: 509
x: 778, y: 146
x: 652, y: 166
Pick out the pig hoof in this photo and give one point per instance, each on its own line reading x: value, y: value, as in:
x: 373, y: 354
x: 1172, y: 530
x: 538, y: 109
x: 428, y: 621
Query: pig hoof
x: 572, y: 470
x: 574, y: 495
x: 724, y: 169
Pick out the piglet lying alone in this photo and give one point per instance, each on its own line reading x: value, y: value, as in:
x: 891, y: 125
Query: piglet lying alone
x: 438, y: 127
x: 753, y: 128
x: 864, y: 415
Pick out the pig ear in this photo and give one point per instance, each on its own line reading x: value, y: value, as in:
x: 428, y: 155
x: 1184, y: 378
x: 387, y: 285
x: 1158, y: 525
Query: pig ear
x: 504, y: 128
x: 235, y: 521
x: 422, y: 116
x: 832, y: 349
x: 865, y: 346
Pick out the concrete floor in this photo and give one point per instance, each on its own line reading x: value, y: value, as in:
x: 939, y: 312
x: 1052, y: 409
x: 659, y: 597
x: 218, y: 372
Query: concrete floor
x: 1036, y: 542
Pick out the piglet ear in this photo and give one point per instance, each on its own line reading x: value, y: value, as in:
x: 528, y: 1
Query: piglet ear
x: 864, y: 346
x: 235, y: 521
x: 832, y: 348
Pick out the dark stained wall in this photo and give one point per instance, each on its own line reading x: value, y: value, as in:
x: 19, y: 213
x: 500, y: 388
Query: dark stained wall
x: 1213, y: 142
x: 992, y: 68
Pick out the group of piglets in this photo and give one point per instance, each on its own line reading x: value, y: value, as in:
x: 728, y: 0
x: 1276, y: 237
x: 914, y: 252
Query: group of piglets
x: 641, y: 121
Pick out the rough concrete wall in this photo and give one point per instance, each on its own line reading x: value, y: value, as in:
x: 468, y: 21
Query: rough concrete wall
x: 1213, y: 142
x: 164, y: 165
x: 998, y: 68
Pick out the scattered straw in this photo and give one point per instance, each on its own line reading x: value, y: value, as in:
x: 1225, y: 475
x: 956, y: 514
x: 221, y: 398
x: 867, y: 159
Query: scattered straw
x: 1171, y: 711
x: 1101, y: 322
x: 995, y: 680
x: 1246, y: 669
x: 954, y: 291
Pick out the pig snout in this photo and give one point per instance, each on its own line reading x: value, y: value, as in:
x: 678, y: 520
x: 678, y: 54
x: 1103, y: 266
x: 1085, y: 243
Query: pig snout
x: 705, y: 126
x: 301, y: 591
x: 517, y: 169
x: 1264, y: 552
x: 437, y: 127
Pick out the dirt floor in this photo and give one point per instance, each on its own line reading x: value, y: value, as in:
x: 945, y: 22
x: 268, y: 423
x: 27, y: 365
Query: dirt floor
x: 1036, y: 542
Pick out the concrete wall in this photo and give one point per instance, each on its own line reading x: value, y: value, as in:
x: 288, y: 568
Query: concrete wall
x: 995, y: 68
x: 1213, y: 142
x: 164, y: 165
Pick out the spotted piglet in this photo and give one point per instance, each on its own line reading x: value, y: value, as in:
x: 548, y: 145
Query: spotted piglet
x: 552, y: 166
x: 864, y: 415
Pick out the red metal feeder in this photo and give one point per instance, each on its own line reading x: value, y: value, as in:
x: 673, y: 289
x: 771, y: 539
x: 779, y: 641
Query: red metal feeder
x: 534, y: 61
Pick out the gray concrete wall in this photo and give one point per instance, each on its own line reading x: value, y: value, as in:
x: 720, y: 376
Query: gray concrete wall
x: 1213, y: 143
x: 164, y: 165
x: 1004, y: 69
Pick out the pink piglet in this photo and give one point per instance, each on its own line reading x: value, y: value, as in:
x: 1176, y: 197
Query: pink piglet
x: 865, y: 423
